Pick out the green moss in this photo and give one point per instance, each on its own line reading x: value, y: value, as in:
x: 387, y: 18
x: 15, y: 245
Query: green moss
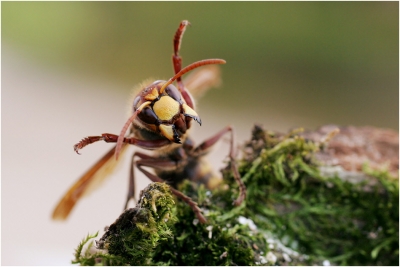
x: 325, y: 217
x: 134, y: 236
x: 292, y: 216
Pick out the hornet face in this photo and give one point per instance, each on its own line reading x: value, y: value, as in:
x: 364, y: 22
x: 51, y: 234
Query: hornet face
x: 164, y: 112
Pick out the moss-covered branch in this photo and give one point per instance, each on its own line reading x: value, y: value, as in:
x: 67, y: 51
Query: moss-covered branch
x: 293, y: 215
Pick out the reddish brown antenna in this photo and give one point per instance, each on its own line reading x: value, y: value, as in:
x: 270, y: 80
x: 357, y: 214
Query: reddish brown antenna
x: 126, y: 126
x: 191, y: 67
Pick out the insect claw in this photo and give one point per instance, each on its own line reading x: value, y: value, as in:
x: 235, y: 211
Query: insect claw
x: 176, y: 136
x: 189, y: 112
x: 177, y: 139
x: 76, y: 148
x: 197, y: 119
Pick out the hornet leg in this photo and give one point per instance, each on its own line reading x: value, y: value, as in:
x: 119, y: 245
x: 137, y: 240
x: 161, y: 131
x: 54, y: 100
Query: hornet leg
x: 148, y: 161
x: 112, y: 138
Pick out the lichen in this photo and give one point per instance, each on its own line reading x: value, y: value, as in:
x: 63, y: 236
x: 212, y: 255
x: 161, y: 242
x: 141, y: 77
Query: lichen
x: 292, y: 215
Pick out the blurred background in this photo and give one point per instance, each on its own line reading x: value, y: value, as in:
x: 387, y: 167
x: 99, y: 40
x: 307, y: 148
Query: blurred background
x: 68, y: 68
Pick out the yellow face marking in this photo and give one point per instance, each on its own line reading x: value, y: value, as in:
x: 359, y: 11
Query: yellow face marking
x: 167, y: 131
x: 189, y: 111
x: 152, y: 95
x: 143, y: 105
x: 166, y: 108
